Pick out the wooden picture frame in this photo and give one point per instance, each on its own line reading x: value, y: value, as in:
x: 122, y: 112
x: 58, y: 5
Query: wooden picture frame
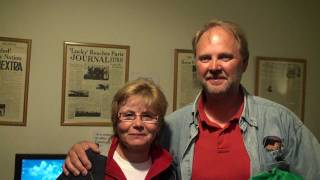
x: 92, y: 73
x: 15, y: 56
x: 186, y: 84
x: 282, y: 80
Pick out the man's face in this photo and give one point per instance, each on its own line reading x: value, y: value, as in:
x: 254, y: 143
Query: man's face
x: 219, y: 63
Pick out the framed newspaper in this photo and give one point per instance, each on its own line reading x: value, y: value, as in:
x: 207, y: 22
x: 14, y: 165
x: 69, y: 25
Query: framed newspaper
x: 186, y: 85
x: 92, y: 73
x: 282, y: 80
x: 14, y: 79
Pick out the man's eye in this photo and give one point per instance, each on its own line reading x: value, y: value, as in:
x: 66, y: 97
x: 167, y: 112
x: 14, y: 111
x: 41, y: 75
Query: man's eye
x: 204, y: 58
x: 225, y: 57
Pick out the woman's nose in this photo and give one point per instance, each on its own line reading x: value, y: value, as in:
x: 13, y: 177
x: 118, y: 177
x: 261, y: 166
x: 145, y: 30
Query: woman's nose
x: 138, y: 121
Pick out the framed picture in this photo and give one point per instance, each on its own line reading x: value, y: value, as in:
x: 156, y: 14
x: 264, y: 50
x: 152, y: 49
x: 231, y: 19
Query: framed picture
x: 14, y: 79
x: 282, y: 80
x: 92, y: 73
x: 186, y: 85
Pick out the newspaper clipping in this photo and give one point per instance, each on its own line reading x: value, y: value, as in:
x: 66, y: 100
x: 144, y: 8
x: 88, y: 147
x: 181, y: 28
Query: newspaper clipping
x: 93, y: 73
x: 14, y: 70
x: 283, y: 82
x: 186, y: 85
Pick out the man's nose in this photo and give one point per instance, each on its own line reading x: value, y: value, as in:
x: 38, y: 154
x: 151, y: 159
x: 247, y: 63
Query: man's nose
x: 214, y: 65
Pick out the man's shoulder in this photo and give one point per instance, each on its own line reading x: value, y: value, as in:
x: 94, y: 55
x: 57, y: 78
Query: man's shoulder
x: 259, y: 102
x: 266, y: 104
x: 261, y: 107
x: 183, y: 112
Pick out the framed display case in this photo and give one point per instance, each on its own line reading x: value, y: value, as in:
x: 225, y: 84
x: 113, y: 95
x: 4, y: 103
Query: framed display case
x: 92, y: 73
x: 15, y: 56
x: 186, y: 85
x: 282, y: 80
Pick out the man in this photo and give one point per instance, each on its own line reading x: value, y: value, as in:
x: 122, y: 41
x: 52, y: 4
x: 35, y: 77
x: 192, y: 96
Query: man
x: 228, y: 133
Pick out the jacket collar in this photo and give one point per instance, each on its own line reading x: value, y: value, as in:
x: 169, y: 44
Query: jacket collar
x: 161, y: 160
x: 246, y: 116
x: 195, y: 109
x: 112, y: 168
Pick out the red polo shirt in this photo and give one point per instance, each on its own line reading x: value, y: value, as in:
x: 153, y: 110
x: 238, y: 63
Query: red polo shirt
x: 220, y: 152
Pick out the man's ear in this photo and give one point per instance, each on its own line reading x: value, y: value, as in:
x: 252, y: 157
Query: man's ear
x: 244, y: 65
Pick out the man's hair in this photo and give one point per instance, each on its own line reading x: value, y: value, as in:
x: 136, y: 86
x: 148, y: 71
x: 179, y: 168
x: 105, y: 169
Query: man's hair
x: 236, y: 31
x: 145, y: 88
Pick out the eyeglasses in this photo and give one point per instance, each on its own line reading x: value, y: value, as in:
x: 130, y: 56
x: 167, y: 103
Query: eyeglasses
x: 146, y: 117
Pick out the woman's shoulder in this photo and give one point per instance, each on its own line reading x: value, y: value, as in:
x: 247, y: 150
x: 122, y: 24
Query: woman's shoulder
x: 98, y: 162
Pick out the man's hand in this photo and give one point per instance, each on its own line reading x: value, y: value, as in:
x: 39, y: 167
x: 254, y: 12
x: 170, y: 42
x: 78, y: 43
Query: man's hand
x: 77, y: 160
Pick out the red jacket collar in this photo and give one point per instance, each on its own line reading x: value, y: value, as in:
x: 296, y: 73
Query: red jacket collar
x: 161, y: 160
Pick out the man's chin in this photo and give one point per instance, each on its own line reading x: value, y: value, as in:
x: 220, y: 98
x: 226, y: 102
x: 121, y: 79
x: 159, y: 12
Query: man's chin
x: 215, y: 90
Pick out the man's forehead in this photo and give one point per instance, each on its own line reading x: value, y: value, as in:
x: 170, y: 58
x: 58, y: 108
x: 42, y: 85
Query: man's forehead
x: 218, y: 36
x: 216, y: 33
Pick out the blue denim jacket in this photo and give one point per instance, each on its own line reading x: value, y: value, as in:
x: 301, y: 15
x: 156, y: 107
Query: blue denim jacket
x: 261, y: 118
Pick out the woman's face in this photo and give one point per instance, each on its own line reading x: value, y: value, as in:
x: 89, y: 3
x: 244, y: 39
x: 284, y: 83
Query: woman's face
x: 137, y: 134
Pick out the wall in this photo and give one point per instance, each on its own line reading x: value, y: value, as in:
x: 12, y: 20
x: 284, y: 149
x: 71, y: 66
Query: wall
x: 152, y: 29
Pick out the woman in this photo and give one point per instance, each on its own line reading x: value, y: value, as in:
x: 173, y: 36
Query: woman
x: 137, y: 115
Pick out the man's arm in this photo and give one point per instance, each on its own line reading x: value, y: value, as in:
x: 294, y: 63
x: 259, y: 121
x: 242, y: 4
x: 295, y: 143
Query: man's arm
x: 304, y: 154
x: 77, y: 161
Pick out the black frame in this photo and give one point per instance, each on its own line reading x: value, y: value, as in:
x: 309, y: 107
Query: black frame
x: 20, y: 157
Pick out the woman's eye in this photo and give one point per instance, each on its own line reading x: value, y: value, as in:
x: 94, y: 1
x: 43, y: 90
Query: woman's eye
x: 128, y: 114
x: 147, y: 116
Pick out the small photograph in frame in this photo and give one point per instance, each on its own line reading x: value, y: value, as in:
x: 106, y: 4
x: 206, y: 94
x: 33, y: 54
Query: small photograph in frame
x: 92, y: 74
x: 282, y: 80
x: 186, y: 84
x: 15, y: 56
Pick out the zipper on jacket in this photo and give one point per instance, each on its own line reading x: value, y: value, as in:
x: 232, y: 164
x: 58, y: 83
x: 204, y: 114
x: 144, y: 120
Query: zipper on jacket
x: 90, y: 174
